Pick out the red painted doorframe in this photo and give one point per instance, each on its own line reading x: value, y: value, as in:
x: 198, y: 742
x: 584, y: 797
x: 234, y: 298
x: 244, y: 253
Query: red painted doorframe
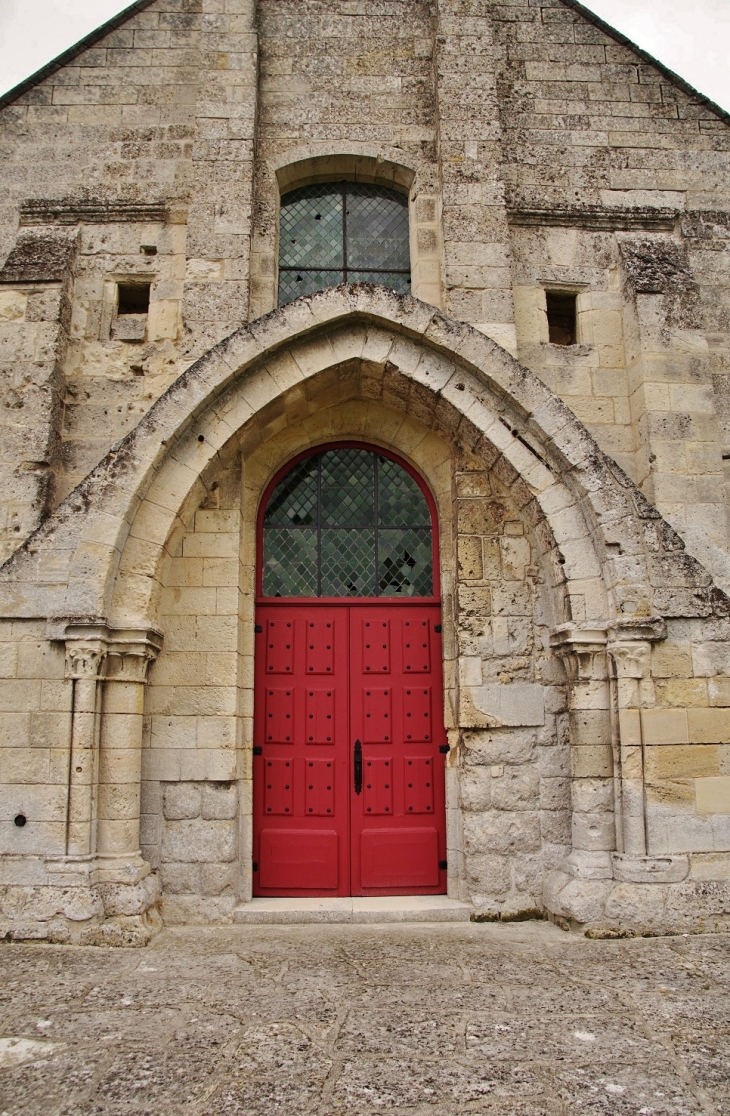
x: 348, y: 773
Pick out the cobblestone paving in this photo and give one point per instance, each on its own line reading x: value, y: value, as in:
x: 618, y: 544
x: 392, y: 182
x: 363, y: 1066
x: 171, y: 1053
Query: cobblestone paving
x: 520, y: 1020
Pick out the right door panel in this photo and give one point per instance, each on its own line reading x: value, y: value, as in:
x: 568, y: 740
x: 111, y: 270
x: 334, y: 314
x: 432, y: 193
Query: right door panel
x: 398, y: 821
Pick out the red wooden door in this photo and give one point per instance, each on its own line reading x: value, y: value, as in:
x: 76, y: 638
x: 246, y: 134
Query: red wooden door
x: 398, y: 821
x: 348, y: 773
x: 300, y: 770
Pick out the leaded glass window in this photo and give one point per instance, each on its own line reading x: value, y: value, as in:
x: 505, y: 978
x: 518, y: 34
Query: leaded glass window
x: 344, y: 232
x: 347, y: 523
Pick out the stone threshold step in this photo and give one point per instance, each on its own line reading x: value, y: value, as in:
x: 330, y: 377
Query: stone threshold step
x: 382, y: 908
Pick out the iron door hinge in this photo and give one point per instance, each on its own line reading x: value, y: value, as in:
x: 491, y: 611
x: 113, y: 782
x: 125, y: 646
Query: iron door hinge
x: 443, y: 865
x: 258, y: 628
x: 444, y: 749
x: 258, y: 750
x: 437, y: 628
x: 255, y: 865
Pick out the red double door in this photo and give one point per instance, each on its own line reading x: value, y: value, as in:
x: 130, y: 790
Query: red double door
x: 348, y: 751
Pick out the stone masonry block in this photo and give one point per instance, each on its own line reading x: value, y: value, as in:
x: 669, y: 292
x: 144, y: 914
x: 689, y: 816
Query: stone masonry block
x: 664, y: 726
x: 217, y: 879
x: 181, y: 800
x: 198, y: 841
x: 516, y: 789
x: 681, y: 761
x: 712, y: 795
x: 219, y: 800
x: 709, y: 726
x: 520, y: 703
x: 591, y: 761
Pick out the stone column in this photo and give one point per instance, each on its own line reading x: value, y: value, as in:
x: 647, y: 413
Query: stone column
x: 629, y: 650
x: 85, y: 663
x: 583, y: 651
x: 129, y: 654
x: 630, y: 660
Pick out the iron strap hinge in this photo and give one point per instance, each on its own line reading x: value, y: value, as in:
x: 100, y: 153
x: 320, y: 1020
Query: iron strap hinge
x: 255, y: 865
x: 437, y: 628
x: 258, y: 750
x: 444, y: 749
x: 443, y: 865
x: 258, y: 628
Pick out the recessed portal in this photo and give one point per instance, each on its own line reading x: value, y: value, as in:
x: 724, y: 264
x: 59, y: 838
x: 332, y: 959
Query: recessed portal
x: 348, y: 722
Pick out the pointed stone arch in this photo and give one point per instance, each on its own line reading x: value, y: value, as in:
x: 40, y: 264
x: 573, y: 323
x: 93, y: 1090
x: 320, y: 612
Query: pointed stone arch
x: 114, y: 521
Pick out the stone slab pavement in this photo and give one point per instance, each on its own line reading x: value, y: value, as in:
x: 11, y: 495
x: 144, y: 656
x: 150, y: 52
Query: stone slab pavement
x: 518, y: 1019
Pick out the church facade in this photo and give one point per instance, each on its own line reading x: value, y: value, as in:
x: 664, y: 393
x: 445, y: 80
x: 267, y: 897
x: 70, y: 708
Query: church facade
x: 344, y: 338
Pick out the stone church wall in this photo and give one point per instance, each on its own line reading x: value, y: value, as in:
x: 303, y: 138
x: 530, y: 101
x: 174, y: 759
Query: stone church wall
x: 586, y: 653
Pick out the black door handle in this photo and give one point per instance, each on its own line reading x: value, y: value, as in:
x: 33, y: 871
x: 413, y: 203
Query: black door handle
x: 358, y: 767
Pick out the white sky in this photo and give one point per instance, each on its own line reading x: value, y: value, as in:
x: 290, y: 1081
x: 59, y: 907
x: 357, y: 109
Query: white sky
x: 692, y: 37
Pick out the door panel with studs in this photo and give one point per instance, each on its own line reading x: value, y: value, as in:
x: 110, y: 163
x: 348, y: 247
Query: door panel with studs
x: 398, y: 822
x: 301, y: 759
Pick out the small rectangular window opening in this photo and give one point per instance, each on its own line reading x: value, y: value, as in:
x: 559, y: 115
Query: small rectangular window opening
x: 133, y: 298
x: 561, y: 317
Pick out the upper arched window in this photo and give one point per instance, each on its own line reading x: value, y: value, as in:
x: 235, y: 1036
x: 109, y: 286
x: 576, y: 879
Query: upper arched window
x: 342, y: 232
x: 347, y: 522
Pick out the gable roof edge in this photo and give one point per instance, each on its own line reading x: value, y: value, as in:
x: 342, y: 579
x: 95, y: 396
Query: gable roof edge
x: 619, y: 36
x: 68, y: 55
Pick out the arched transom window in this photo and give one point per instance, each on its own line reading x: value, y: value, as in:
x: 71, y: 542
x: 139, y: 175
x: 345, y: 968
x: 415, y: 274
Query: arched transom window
x: 347, y: 522
x: 343, y: 232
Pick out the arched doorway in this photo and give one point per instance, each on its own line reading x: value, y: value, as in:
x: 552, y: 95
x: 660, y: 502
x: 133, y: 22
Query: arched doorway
x: 348, y: 719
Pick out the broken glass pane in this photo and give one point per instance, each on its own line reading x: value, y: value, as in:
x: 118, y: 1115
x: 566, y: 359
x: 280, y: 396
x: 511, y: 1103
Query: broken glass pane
x: 404, y: 563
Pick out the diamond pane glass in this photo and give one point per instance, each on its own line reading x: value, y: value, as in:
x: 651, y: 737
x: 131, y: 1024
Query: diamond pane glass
x: 404, y: 563
x: 320, y: 532
x: 293, y: 284
x: 294, y: 500
x: 290, y: 562
x: 311, y: 230
x: 377, y: 228
x: 400, y: 282
x: 348, y: 488
x: 401, y: 502
x: 348, y: 563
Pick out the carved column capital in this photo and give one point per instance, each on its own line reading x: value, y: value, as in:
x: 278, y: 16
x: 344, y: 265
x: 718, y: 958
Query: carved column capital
x: 583, y: 651
x: 97, y: 650
x: 631, y: 658
x: 85, y: 659
x: 131, y: 650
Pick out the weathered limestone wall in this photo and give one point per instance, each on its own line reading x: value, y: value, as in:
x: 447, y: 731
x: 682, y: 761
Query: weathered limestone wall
x: 35, y: 711
x: 191, y: 747
x: 152, y: 164
x: 349, y: 85
x: 595, y: 138
x: 514, y: 779
x: 590, y: 376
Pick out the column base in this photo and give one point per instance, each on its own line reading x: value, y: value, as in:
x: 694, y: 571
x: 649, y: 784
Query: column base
x: 649, y: 869
x: 584, y: 865
x: 79, y: 900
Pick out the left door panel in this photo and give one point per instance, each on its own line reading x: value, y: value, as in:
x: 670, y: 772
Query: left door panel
x: 301, y: 757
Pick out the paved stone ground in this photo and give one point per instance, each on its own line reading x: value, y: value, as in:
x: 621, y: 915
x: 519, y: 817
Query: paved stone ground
x: 519, y: 1020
